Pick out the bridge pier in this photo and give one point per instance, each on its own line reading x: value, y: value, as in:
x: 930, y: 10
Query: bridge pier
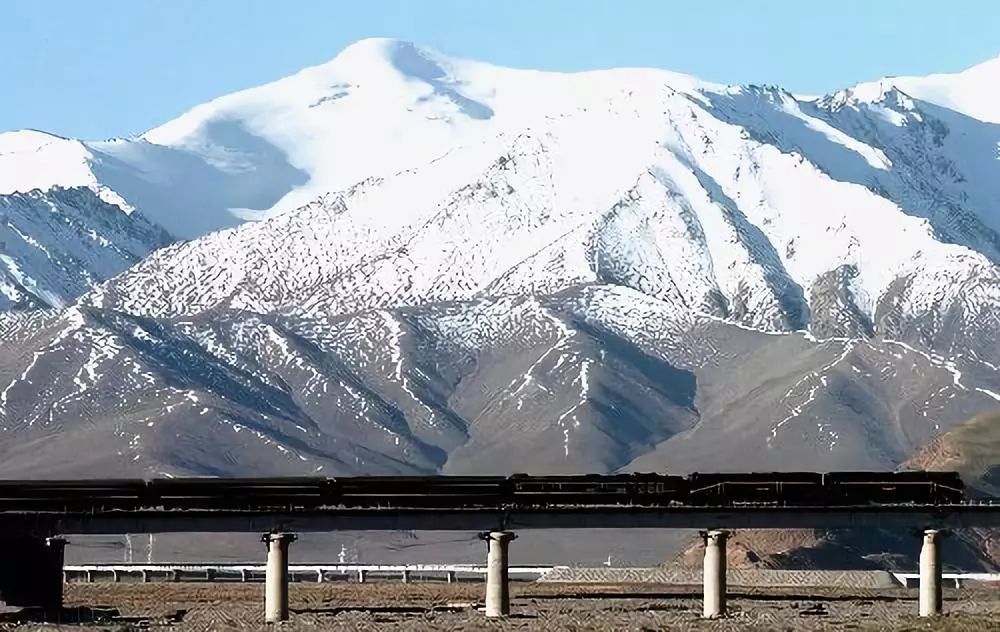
x: 31, y: 573
x: 715, y: 573
x: 930, y: 574
x: 276, y: 577
x: 497, y: 578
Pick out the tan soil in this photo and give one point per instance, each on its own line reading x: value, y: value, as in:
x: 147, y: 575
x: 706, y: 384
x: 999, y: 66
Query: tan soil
x: 425, y: 606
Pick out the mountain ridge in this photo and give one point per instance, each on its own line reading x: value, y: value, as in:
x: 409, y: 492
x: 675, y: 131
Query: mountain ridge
x: 458, y: 267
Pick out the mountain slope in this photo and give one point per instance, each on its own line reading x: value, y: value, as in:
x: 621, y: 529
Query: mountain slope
x: 972, y: 92
x: 459, y: 268
x: 56, y: 245
x: 597, y: 379
x: 730, y: 203
x: 972, y: 449
x: 383, y: 107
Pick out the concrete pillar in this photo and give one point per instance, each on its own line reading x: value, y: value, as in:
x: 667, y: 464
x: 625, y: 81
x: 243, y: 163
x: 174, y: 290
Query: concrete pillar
x: 145, y: 577
x: 930, y: 575
x: 31, y: 571
x: 362, y: 575
x: 243, y: 575
x: 715, y: 573
x: 90, y: 577
x: 450, y: 576
x: 276, y: 580
x: 406, y: 576
x: 497, y: 581
x: 319, y: 576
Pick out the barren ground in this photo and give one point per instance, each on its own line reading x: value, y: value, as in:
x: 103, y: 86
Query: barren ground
x: 440, y: 606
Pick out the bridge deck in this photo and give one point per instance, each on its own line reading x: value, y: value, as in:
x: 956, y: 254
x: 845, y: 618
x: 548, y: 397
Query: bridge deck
x: 481, y: 503
x: 400, y: 519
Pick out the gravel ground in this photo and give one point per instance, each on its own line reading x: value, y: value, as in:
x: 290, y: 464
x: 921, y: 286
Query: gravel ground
x: 440, y: 606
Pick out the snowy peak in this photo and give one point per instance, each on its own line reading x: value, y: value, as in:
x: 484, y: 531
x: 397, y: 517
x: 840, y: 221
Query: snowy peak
x: 381, y: 66
x: 31, y: 159
x: 387, y: 76
x: 385, y: 60
x: 410, y: 176
x: 458, y: 267
x: 974, y: 92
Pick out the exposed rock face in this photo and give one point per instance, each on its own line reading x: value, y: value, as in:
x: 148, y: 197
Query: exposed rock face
x: 460, y: 268
x: 56, y: 245
x: 597, y: 379
x: 971, y: 448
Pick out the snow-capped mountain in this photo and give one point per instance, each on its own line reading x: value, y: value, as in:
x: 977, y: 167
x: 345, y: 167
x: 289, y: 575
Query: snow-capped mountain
x: 453, y: 265
x: 973, y: 92
x: 841, y: 215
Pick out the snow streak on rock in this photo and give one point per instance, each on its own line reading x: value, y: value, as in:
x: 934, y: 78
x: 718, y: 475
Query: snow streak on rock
x: 398, y: 261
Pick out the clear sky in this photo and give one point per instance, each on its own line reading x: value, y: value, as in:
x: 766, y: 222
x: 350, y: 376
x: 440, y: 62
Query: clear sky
x: 101, y: 68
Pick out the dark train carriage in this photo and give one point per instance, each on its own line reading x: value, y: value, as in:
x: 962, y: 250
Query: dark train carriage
x: 594, y: 489
x: 756, y: 488
x: 71, y: 495
x: 418, y: 492
x: 235, y: 493
x: 890, y: 488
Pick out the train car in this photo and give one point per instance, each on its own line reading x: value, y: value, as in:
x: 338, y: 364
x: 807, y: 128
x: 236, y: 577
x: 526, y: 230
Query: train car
x: 893, y: 488
x: 418, y: 492
x: 71, y: 495
x: 207, y: 493
x: 637, y: 489
x: 755, y: 488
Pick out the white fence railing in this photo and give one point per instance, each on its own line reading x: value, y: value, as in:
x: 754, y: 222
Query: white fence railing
x: 911, y: 580
x: 296, y: 572
x: 365, y: 572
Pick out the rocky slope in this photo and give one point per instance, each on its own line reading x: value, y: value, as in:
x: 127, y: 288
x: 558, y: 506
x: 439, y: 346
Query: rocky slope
x: 463, y: 268
x: 971, y: 448
x: 56, y: 245
x: 598, y: 378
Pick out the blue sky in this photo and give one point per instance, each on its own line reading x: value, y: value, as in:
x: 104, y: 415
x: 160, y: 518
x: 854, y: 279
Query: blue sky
x: 105, y: 68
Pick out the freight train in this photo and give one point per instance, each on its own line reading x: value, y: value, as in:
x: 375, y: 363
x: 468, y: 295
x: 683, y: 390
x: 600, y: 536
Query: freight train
x: 519, y: 491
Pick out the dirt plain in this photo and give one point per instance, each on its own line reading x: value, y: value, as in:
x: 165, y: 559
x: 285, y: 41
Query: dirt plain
x: 439, y: 606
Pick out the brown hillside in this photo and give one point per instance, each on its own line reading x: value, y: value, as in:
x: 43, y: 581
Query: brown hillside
x: 972, y: 449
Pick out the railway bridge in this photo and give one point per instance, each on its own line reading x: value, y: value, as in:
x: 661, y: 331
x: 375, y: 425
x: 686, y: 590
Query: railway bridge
x: 35, y: 516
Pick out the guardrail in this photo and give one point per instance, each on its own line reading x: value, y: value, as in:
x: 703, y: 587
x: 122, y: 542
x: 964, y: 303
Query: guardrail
x: 296, y: 572
x: 912, y: 580
x: 365, y: 572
